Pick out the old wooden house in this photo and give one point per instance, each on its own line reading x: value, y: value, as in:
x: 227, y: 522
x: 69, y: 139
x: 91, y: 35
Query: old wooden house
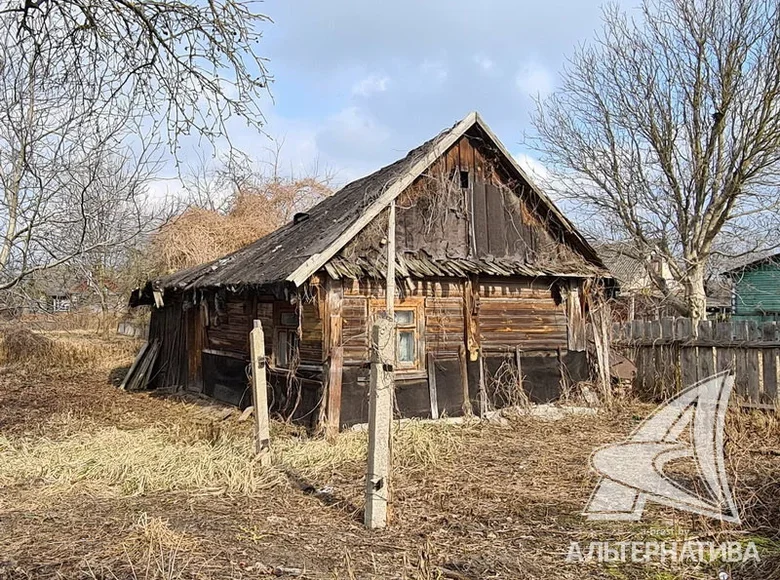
x: 491, y: 278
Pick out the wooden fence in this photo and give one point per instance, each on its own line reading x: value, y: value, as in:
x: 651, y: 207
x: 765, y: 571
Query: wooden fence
x: 669, y: 356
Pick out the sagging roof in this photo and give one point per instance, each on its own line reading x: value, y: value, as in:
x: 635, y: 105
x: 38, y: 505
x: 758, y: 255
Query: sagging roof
x: 296, y: 251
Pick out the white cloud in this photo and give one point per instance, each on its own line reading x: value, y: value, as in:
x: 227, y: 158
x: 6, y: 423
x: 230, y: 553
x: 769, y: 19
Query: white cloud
x: 534, y: 79
x: 485, y: 63
x: 370, y: 85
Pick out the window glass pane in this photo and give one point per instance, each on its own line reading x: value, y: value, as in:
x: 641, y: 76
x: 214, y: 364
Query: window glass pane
x: 289, y: 319
x: 406, y: 346
x: 282, y: 348
x: 404, y: 317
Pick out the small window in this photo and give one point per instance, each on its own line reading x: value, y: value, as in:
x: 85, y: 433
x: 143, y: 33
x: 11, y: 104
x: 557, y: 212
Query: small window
x: 410, y: 342
x: 404, y: 317
x: 464, y: 179
x: 288, y: 319
x: 60, y: 304
x: 286, y: 345
x: 406, y: 329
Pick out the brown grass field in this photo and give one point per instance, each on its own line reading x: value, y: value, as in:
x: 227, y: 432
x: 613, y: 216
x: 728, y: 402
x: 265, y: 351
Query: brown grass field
x: 99, y: 483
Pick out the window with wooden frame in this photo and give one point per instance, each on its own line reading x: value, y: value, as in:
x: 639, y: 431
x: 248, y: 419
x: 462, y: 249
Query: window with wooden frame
x: 286, y: 343
x: 410, y: 328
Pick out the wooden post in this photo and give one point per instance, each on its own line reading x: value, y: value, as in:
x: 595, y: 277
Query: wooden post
x: 432, y: 386
x: 464, y: 381
x: 335, y: 368
x: 380, y: 414
x: 483, y: 398
x: 519, y: 364
x: 601, y: 345
x: 260, y: 394
x: 390, y: 286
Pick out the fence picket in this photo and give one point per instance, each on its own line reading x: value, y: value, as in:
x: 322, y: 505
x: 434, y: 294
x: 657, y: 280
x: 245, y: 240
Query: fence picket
x: 705, y: 354
x: 670, y: 356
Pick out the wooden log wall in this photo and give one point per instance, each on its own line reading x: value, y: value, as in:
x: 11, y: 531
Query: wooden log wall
x: 230, y: 324
x: 311, y: 343
x: 522, y: 322
x: 520, y: 314
x: 669, y: 356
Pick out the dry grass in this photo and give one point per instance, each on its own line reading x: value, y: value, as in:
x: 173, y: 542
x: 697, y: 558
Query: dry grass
x: 99, y: 483
x: 204, y: 459
x: 417, y: 445
x: 134, y: 462
x: 64, y: 350
x: 200, y: 235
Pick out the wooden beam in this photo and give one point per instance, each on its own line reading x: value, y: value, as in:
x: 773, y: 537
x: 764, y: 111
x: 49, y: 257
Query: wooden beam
x: 432, y: 386
x: 131, y: 371
x: 390, y: 277
x: 317, y: 261
x: 519, y: 364
x: 483, y: 398
x: 260, y: 394
x: 333, y: 405
x: 464, y: 381
x: 380, y: 415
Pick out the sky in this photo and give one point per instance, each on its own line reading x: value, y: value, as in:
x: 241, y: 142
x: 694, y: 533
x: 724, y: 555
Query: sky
x: 358, y: 83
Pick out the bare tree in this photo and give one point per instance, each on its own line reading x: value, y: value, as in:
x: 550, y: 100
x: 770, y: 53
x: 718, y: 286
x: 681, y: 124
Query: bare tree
x: 190, y: 62
x: 667, y: 129
x: 90, y: 92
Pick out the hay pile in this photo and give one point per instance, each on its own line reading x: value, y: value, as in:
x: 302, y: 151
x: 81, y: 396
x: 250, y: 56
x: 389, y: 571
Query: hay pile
x: 201, y: 235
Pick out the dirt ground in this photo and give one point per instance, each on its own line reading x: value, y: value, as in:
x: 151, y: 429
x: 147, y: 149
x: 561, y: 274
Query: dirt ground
x: 469, y: 501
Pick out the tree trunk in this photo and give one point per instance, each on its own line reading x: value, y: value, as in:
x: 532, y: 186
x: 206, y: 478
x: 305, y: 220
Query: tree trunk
x: 695, y: 295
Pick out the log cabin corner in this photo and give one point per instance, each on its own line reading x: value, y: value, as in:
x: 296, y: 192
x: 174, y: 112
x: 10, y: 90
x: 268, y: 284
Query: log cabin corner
x: 492, y: 294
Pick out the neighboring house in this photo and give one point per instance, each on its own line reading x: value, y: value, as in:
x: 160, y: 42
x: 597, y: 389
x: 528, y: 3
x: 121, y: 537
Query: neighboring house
x: 489, y: 274
x: 58, y: 290
x: 756, y: 289
x: 638, y: 297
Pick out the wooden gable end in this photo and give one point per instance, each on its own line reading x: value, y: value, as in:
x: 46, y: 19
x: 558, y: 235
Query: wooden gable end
x: 466, y: 205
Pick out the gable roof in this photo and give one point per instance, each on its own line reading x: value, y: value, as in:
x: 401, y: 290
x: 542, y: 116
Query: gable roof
x: 752, y: 262
x: 296, y: 251
x: 624, y: 261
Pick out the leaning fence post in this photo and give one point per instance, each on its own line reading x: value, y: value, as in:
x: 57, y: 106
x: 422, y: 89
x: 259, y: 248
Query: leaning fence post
x: 260, y: 394
x: 380, y: 414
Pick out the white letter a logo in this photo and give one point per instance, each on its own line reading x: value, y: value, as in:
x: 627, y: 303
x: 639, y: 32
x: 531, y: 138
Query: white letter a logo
x: 632, y: 471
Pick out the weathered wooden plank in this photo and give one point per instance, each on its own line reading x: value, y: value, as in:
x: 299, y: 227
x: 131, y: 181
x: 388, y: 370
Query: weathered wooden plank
x: 479, y: 217
x: 770, y: 365
x: 519, y: 369
x: 705, y: 355
x: 742, y: 370
x: 753, y: 363
x: 724, y: 356
x: 494, y: 202
x: 483, y: 396
x: 431, y: 363
x: 683, y: 331
x: 464, y: 381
